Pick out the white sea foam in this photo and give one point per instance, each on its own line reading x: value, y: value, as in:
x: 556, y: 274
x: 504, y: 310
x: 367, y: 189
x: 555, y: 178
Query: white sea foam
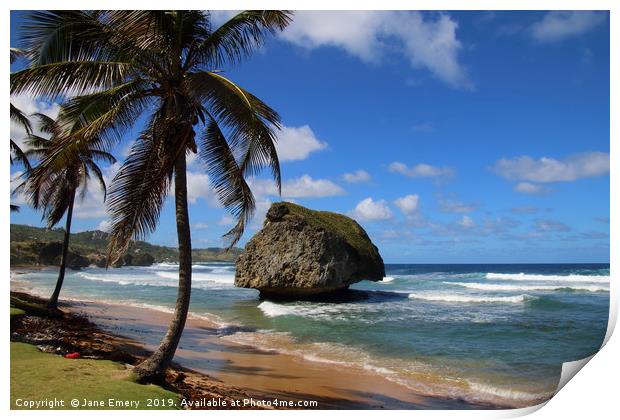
x: 227, y: 278
x: 387, y: 279
x: 272, y: 309
x: 507, y: 393
x: 545, y: 277
x: 469, y: 298
x: 112, y: 278
x: 526, y: 287
x: 161, y: 278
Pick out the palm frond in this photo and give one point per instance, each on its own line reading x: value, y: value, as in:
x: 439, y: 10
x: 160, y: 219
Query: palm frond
x: 51, y: 185
x: 249, y: 121
x: 66, y: 35
x: 71, y: 77
x: 16, y: 53
x: 139, y: 189
x: 227, y: 179
x: 240, y: 36
x: 57, y: 200
x: 47, y: 125
x: 150, y: 29
x: 103, y: 156
x: 18, y: 155
x: 99, y: 176
x: 20, y: 118
x: 105, y: 115
x: 38, y: 146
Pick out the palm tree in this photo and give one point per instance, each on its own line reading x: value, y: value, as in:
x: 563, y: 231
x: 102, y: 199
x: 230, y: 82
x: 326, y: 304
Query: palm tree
x: 165, y: 64
x: 17, y: 116
x: 53, y: 190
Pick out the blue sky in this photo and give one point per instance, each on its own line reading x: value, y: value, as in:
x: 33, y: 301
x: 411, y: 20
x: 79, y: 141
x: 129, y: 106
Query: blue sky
x: 451, y: 137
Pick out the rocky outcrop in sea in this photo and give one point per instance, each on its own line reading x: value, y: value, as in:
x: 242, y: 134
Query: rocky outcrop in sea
x: 302, y: 253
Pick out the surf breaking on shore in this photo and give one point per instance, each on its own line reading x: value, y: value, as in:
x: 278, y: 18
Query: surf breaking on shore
x: 458, y: 300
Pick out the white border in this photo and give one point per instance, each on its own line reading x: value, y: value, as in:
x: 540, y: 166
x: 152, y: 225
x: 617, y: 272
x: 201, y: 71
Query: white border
x: 593, y: 395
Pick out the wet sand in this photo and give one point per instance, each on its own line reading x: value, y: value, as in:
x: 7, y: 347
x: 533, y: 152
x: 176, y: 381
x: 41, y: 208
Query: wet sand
x: 265, y: 374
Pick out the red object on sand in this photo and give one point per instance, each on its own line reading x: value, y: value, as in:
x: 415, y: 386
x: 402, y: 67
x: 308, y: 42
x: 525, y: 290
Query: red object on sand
x: 75, y: 355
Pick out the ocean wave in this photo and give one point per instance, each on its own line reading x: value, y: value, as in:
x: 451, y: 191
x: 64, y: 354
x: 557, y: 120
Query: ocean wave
x: 434, y: 275
x: 470, y: 299
x: 545, y: 277
x: 272, y: 309
x: 508, y: 393
x: 387, y: 279
x: 525, y: 287
x: 109, y: 278
x: 227, y: 278
x: 162, y: 279
x: 213, y: 267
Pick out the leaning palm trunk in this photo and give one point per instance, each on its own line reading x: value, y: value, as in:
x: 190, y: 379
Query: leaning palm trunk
x: 154, y: 368
x: 53, y: 302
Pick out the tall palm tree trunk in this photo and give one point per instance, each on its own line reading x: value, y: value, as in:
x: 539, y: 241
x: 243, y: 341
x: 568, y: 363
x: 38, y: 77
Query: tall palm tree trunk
x: 53, y: 302
x: 154, y: 368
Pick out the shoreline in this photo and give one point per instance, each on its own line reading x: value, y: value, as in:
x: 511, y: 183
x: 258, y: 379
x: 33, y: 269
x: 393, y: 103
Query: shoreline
x: 259, y: 373
x: 264, y: 373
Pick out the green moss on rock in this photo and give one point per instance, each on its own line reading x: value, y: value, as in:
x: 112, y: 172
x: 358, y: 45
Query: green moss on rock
x: 339, y: 224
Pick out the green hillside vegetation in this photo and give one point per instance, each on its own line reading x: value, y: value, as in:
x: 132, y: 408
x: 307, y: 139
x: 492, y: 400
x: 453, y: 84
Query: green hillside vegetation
x: 28, y: 243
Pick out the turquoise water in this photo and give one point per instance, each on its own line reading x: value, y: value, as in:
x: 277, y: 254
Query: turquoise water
x: 482, y: 333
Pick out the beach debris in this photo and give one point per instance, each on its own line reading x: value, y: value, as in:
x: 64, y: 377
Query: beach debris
x: 301, y: 253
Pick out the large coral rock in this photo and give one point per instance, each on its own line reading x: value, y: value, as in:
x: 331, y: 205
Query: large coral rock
x: 301, y: 252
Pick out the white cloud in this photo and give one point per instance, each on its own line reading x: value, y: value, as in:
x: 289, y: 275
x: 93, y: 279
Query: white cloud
x: 306, y: 187
x: 356, y: 32
x: 466, y: 222
x: 499, y: 225
x: 199, y: 186
x: 421, y: 170
x: 559, y: 25
x: 408, y: 204
x: 529, y: 188
x: 93, y: 205
x: 357, y: 177
x: 200, y: 226
x: 296, y: 143
x: 29, y: 105
x: 18, y: 199
x: 369, y: 210
x: 455, y: 206
x: 219, y: 17
x: 226, y: 220
x: 262, y: 206
x: 548, y: 225
x: 105, y: 225
x: 427, y: 43
x: 525, y: 168
x: 432, y: 45
x: 303, y: 187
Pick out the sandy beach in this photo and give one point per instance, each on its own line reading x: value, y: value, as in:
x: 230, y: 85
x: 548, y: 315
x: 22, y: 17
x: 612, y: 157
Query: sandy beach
x: 263, y: 374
